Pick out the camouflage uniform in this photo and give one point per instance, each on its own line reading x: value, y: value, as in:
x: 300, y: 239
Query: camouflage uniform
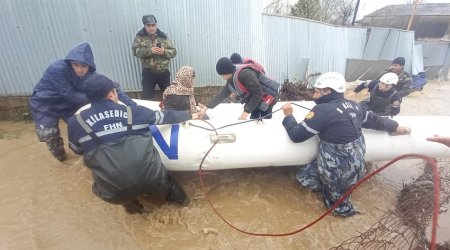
x: 52, y: 137
x: 404, y: 84
x: 333, y: 173
x: 155, y: 68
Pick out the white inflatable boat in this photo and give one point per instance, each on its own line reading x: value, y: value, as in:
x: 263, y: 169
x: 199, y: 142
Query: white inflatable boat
x: 266, y: 143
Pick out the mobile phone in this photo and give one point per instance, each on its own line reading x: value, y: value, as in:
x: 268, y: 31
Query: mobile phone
x: 158, y: 45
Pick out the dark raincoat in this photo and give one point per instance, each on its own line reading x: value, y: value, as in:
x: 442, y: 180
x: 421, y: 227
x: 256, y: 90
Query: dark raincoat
x: 60, y: 92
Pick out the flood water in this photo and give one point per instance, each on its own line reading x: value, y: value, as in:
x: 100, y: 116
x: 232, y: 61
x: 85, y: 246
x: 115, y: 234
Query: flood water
x: 46, y: 204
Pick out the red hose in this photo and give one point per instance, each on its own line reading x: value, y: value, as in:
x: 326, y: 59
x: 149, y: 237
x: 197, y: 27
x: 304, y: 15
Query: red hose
x: 436, y: 180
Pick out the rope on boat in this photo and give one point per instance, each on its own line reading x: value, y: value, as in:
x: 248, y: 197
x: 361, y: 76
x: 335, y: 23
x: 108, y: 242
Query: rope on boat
x: 241, y: 122
x: 431, y: 162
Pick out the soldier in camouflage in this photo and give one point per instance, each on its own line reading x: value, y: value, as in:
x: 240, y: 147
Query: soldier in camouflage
x: 404, y: 83
x: 154, y: 49
x: 338, y: 123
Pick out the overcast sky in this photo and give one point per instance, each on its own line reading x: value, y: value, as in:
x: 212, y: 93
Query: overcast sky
x: 369, y: 6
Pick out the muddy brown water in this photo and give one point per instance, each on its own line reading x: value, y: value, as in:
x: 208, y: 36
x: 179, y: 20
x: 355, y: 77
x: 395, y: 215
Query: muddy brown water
x: 46, y: 204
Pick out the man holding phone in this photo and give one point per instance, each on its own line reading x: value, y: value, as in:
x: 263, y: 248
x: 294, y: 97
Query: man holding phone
x: 155, y: 50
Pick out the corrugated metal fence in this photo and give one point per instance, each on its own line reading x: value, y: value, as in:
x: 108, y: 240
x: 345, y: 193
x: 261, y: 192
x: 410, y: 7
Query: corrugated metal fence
x: 295, y: 47
x: 436, y: 58
x: 37, y: 33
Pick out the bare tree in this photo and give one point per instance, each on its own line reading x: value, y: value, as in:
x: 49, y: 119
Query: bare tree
x: 344, y: 10
x: 329, y: 11
x: 279, y: 7
x: 310, y: 9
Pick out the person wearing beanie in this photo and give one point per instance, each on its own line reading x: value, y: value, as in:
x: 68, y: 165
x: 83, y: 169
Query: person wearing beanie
x: 225, y: 66
x: 60, y: 93
x: 155, y: 50
x: 256, y: 91
x: 404, y: 83
x: 399, y: 60
x: 117, y: 145
x: 236, y: 58
x: 384, y: 100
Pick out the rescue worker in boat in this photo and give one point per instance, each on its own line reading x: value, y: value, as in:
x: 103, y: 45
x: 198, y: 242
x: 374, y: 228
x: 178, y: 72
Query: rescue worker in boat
x: 384, y: 100
x: 255, y: 90
x: 60, y: 93
x: 337, y: 122
x: 116, y: 144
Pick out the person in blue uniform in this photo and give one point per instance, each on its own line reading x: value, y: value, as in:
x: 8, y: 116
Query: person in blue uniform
x: 116, y: 144
x: 338, y: 122
x: 384, y: 99
x: 60, y: 93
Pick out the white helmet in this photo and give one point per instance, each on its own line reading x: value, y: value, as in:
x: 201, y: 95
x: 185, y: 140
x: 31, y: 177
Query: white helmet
x: 389, y: 78
x: 332, y: 80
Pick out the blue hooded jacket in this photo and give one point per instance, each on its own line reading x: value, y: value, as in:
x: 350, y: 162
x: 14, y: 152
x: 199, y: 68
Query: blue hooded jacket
x: 60, y: 92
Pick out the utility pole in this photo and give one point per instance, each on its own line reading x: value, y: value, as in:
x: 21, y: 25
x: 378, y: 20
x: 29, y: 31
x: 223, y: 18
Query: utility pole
x: 412, y: 14
x: 356, y: 12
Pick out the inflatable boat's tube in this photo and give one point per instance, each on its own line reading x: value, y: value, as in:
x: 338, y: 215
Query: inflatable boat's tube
x: 266, y: 143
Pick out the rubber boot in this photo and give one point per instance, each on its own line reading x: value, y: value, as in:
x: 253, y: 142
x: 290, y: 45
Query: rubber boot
x: 56, y: 147
x: 133, y: 207
x: 177, y: 194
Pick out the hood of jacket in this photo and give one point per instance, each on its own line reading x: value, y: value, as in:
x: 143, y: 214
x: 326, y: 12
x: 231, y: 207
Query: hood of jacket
x: 82, y: 53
